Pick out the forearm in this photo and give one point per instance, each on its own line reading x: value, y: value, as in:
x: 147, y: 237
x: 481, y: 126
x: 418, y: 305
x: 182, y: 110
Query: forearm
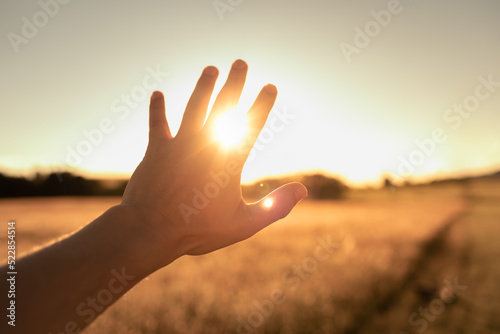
x: 65, y: 286
x: 183, y: 198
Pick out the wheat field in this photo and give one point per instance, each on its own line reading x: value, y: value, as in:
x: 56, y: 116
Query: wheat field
x: 363, y: 264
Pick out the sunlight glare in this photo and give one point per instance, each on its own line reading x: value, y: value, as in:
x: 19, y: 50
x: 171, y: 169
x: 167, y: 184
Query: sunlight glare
x: 268, y: 202
x: 231, y: 128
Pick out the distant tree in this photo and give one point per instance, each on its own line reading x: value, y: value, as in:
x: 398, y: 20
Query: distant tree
x: 388, y: 182
x: 15, y: 187
x: 56, y: 184
x: 318, y: 186
x: 322, y: 187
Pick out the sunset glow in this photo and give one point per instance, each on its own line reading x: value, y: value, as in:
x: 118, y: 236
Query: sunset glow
x: 351, y: 101
x: 231, y: 129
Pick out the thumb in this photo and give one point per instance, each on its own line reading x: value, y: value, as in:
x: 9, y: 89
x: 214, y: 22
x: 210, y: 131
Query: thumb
x: 275, y: 206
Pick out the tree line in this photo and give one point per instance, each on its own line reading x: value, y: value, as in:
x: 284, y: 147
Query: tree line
x: 68, y: 184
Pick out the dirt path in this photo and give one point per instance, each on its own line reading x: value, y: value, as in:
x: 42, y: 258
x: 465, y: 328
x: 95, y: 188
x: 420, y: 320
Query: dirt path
x: 454, y: 285
x: 479, y: 308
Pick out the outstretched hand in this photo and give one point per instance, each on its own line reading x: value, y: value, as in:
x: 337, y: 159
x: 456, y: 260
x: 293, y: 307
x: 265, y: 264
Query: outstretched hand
x: 187, y: 188
x: 183, y: 198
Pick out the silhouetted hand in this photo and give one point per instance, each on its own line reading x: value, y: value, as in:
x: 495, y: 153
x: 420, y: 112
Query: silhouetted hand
x: 183, y: 198
x: 186, y: 192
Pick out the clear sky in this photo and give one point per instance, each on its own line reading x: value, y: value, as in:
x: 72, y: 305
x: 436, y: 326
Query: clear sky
x: 360, y: 82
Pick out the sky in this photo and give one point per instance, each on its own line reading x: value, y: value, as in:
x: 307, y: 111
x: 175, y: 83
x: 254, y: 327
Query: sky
x: 407, y: 88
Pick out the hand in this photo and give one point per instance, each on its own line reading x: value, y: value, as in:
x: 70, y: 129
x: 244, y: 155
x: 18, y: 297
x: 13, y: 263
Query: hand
x: 187, y: 188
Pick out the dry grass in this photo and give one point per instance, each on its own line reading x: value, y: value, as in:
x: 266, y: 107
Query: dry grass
x: 379, y: 236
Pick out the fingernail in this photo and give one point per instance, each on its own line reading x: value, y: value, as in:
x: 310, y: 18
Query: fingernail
x: 239, y: 64
x: 270, y: 88
x: 210, y: 70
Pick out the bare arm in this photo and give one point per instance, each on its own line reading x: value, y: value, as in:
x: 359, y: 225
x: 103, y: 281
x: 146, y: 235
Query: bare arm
x: 64, y: 287
x: 184, y: 198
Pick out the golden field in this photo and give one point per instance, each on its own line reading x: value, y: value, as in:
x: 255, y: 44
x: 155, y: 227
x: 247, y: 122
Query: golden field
x: 360, y: 265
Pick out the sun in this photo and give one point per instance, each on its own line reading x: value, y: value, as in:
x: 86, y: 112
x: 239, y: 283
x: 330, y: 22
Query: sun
x: 230, y: 129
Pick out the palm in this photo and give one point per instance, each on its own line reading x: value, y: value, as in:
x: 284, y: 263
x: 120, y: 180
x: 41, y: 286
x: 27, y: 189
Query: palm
x: 199, y: 177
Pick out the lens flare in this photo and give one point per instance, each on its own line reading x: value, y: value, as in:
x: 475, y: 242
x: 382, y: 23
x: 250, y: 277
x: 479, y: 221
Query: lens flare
x: 231, y: 129
x: 268, y: 202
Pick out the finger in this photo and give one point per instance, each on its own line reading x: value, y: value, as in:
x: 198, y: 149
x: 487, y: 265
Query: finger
x: 230, y: 93
x: 196, y: 109
x: 158, y: 125
x: 275, y: 206
x: 257, y: 117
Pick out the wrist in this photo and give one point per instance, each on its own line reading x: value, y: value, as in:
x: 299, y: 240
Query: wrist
x: 143, y: 248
